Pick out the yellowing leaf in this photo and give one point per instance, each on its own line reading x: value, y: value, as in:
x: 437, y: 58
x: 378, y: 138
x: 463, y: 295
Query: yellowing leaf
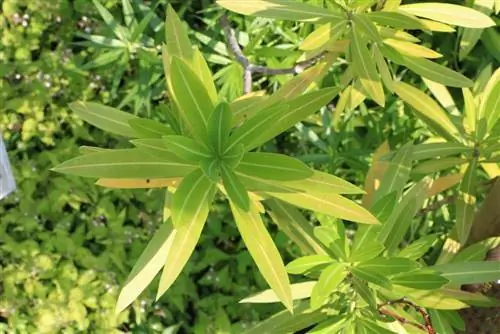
x: 466, y: 203
x: 397, y: 34
x: 273, y: 166
x: 444, y: 183
x: 246, y: 106
x: 147, y: 266
x: 365, y: 68
x: 411, y: 49
x: 427, y: 109
x: 299, y: 291
x: 264, y: 252
x: 450, y: 14
x: 443, y: 96
x: 325, y: 33
x: 383, y: 68
x: 490, y: 106
x: 325, y: 183
x: 280, y: 9
x: 375, y: 173
x: 396, y: 19
x: 328, y: 281
x: 138, y: 183
x: 178, y: 43
x: 470, y: 111
x: 436, y: 26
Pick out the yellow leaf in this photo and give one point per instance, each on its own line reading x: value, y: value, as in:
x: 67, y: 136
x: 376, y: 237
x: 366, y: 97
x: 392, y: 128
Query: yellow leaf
x: 443, y: 96
x: 299, y: 291
x: 444, y: 183
x: 138, y: 183
x: 411, y: 49
x: 375, y: 173
x: 437, y: 26
x: 325, y: 33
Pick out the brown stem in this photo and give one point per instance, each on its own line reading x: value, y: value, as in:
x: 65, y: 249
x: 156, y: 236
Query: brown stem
x: 427, y: 326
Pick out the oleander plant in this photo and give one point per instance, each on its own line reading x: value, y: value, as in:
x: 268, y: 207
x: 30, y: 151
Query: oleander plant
x: 288, y: 166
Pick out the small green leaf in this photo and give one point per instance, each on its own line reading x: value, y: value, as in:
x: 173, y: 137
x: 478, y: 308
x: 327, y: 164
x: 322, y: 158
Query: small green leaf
x: 307, y: 263
x: 200, y: 67
x: 418, y: 248
x: 211, y: 168
x: 324, y: 183
x: 396, y: 19
x: 273, y: 166
x: 330, y: 237
x: 264, y: 252
x: 389, y: 267
x: 383, y: 68
x: 371, y: 277
x: 435, y: 72
x: 125, y: 164
x: 470, y: 272
x: 219, y: 127
x: 191, y: 197
x: 450, y: 14
x: 366, y: 252
x: 280, y: 9
x: 365, y: 68
x: 420, y: 281
x: 105, y: 118
x: 147, y: 266
x: 412, y: 49
x: 148, y: 128
x: 186, y: 148
x: 191, y: 96
x: 299, y: 291
x: 466, y: 202
x: 119, y: 31
x: 232, y: 158
x: 235, y: 189
x: 427, y: 109
x: 364, y: 292
x: 384, y: 207
x: 328, y: 281
x: 435, y: 299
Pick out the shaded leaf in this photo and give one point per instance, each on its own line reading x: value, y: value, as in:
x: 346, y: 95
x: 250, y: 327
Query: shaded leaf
x: 148, y: 128
x: 299, y: 291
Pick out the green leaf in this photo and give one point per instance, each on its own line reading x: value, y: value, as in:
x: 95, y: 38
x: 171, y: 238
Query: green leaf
x: 477, y: 251
x: 200, y: 67
x: 186, y: 148
x: 439, y: 322
x: 308, y: 263
x: 323, y: 183
x: 148, y: 128
x: 334, y: 205
x: 366, y: 252
x: 364, y: 292
x: 329, y: 279
x: 156, y: 148
x: 334, y: 324
x: 124, y: 164
x: 435, y: 299
x: 325, y: 33
x: 364, y: 22
x: 245, y: 107
x: 474, y: 299
x: 273, y: 166
x: 490, y: 107
x: 384, y: 207
x: 396, y: 19
x: 435, y: 150
x: 436, y: 165
x: 219, y: 127
x: 450, y: 14
x: 389, y: 267
x: 291, y: 222
x: 232, y: 158
x: 466, y: 202
x: 435, y: 72
x: 191, y: 96
x: 264, y: 252
x: 105, y: 118
x: 428, y: 110
x: 119, y: 31
x: 420, y: 281
x: 128, y: 14
x: 104, y: 59
x: 178, y: 43
x: 470, y: 111
x: 371, y: 277
x: 235, y: 189
x: 191, y: 197
x: 184, y: 240
x: 211, y: 168
x: 470, y: 272
x: 147, y: 266
x: 299, y: 291
x: 329, y: 236
x: 365, y: 68
x: 418, y: 248
x: 281, y: 10
x: 383, y: 68
x: 299, y: 109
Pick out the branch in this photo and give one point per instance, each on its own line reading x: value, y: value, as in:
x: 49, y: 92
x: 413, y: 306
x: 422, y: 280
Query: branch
x: 426, y: 327
x: 250, y: 68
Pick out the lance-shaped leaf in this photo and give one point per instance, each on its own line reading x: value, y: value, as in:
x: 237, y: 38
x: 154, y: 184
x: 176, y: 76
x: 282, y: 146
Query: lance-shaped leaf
x: 334, y: 324
x: 156, y: 148
x: 435, y: 299
x: 470, y: 36
x: 322, y: 35
x: 259, y: 185
x: 191, y: 96
x: 333, y: 204
x: 323, y: 183
x: 235, y: 189
x: 389, y: 267
x: 396, y: 19
x: 299, y: 291
x: 412, y: 49
x: 245, y: 107
x: 435, y: 150
x: 436, y: 165
x: 273, y: 166
x: 178, y: 43
x: 264, y: 252
x: 450, y: 14
x: 383, y: 68
x: 148, y: 128
x: 428, y: 110
x: 307, y: 263
x: 375, y: 174
x: 490, y: 107
x: 281, y: 10
x: 190, y: 198
x: 363, y: 22
x: 138, y: 183
x: 418, y: 248
x: 147, y: 266
x: 120, y: 31
x: 420, y: 281
x: 299, y: 109
x: 466, y: 202
x: 291, y: 222
x: 219, y: 127
x: 333, y: 240
x: 435, y: 72
x: 371, y: 276
x: 444, y: 183
x: 477, y: 251
x: 372, y: 248
x: 440, y: 323
x: 470, y: 111
x: 328, y: 281
x: 443, y: 96
x: 184, y: 240
x: 364, y: 67
x: 105, y: 118
x: 470, y: 272
x: 124, y: 164
x: 186, y: 148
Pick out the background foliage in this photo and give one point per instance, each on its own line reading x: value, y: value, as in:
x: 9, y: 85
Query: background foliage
x: 66, y: 245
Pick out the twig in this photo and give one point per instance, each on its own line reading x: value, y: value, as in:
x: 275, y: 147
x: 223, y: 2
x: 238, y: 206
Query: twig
x: 250, y: 68
x: 437, y: 205
x: 426, y: 327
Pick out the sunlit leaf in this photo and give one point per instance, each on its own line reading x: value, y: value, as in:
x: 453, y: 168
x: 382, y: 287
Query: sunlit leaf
x: 299, y: 291
x: 138, y: 183
x: 421, y: 281
x: 273, y: 166
x: 436, y: 72
x: 411, y: 49
x: 490, y: 107
x: 219, y: 127
x: 443, y: 96
x: 371, y: 277
x: 323, y: 34
x: 246, y: 106
x: 435, y: 299
x: 375, y: 173
x: 235, y: 189
x: 470, y: 272
x: 363, y: 22
x: 308, y: 263
x: 466, y: 202
x: 396, y: 19
x: 117, y: 29
x: 328, y: 281
x: 470, y: 111
x: 178, y: 43
x: 324, y: 183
